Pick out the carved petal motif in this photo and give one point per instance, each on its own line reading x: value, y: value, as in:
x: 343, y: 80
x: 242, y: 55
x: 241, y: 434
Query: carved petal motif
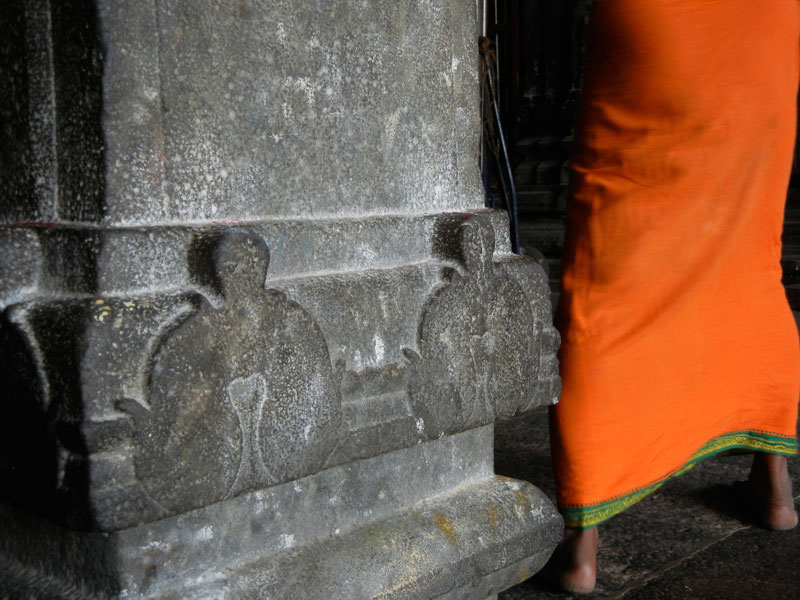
x: 478, y: 341
x: 241, y: 396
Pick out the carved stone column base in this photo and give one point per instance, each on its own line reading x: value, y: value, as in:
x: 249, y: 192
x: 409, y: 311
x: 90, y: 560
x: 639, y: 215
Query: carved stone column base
x: 429, y: 521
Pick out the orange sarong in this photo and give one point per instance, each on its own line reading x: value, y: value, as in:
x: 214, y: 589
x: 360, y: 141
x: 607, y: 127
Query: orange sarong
x: 678, y: 342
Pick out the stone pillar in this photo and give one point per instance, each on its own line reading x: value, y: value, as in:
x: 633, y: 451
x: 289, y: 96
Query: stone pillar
x: 256, y: 327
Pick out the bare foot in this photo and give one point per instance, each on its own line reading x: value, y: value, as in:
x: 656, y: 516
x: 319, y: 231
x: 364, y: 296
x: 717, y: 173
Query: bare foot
x: 768, y: 492
x: 573, y: 566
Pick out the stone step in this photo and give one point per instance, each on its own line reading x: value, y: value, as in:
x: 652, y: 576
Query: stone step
x: 541, y: 172
x: 554, y: 271
x: 544, y: 147
x: 542, y: 161
x: 790, y: 240
x: 791, y: 218
x: 538, y: 201
x: 792, y: 209
x: 791, y: 270
x: 793, y: 295
x: 546, y: 235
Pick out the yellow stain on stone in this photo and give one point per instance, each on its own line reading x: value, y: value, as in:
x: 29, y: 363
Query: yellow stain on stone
x: 524, y: 573
x: 492, y: 516
x: 99, y: 301
x: 523, y: 500
x: 446, y: 527
x: 416, y: 566
x: 129, y: 304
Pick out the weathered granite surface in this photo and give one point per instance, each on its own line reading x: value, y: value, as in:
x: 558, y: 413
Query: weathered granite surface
x: 254, y: 325
x: 207, y: 110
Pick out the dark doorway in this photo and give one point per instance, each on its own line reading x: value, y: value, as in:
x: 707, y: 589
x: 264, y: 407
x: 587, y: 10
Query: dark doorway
x: 540, y: 47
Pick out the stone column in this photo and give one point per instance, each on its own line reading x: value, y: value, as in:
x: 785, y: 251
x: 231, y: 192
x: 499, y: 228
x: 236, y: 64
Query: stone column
x: 256, y: 326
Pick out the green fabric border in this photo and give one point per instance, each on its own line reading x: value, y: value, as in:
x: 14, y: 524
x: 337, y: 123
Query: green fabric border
x: 590, y: 515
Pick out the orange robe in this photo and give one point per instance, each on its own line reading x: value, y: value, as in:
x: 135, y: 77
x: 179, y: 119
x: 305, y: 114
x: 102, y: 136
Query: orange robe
x: 678, y: 342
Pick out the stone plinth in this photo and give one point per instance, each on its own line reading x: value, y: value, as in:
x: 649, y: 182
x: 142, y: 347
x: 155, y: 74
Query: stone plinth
x: 255, y: 326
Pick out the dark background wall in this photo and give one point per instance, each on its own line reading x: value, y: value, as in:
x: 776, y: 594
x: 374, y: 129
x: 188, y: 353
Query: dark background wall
x: 540, y: 47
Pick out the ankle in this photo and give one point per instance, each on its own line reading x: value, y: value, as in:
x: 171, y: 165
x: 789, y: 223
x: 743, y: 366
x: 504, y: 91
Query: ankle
x: 771, y: 471
x: 577, y: 560
x: 768, y: 492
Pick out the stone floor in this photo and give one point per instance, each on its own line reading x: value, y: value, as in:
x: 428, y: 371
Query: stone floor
x: 688, y: 540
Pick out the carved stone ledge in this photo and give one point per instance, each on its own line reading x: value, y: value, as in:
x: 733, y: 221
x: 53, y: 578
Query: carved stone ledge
x: 478, y: 356
x: 258, y: 389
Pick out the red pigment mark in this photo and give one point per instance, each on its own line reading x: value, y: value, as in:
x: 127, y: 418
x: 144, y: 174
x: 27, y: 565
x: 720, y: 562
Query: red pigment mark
x: 465, y: 217
x: 36, y: 224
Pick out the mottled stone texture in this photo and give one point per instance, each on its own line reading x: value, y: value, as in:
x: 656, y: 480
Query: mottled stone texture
x: 254, y: 326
